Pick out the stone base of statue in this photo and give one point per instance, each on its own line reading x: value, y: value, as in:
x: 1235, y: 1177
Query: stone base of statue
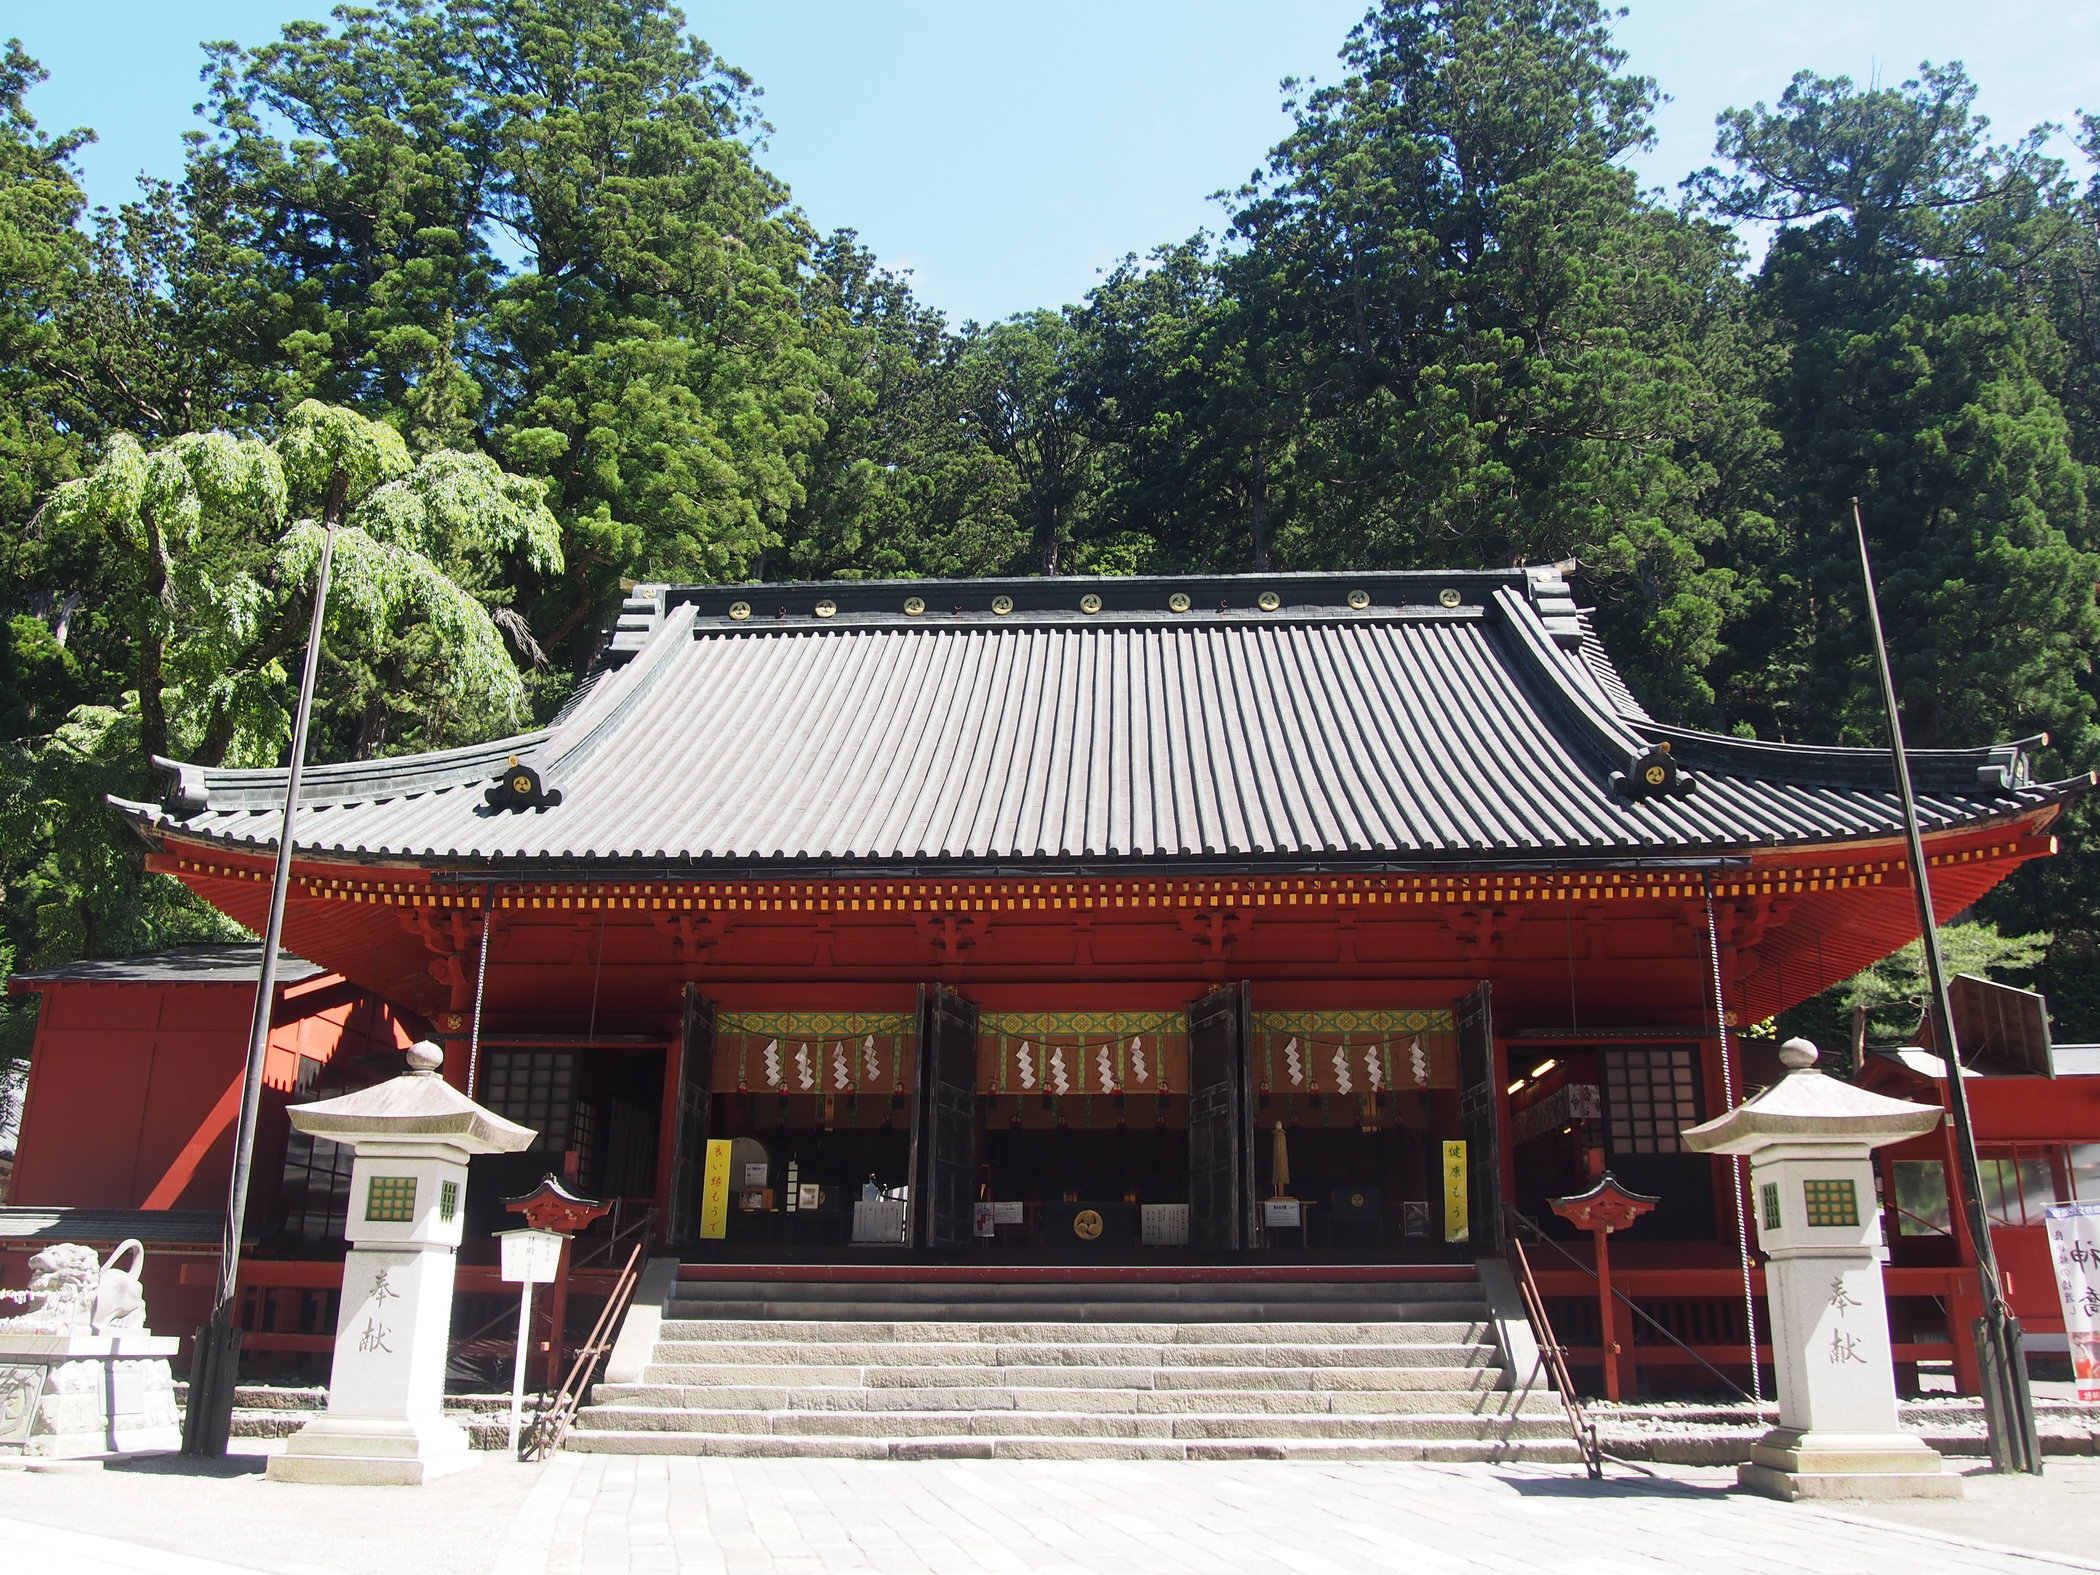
x: 1790, y: 1464
x: 349, y: 1451
x: 68, y: 1396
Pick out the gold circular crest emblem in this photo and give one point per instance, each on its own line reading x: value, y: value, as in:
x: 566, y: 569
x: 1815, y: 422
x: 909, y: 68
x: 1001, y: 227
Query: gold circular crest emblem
x: 740, y: 610
x: 1359, y: 600
x: 1447, y: 597
x: 1089, y: 603
x: 1356, y: 1200
x: 1178, y: 602
x: 1002, y: 605
x: 914, y: 605
x: 521, y: 784
x: 1086, y: 1224
x: 1657, y: 775
x: 1268, y: 601
x: 826, y: 608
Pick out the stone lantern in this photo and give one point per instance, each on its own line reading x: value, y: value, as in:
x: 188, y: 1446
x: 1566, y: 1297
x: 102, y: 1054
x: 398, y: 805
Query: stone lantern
x: 413, y: 1136
x: 1809, y: 1138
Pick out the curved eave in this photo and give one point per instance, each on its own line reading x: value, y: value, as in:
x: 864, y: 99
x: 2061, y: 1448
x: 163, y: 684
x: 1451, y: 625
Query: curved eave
x: 2035, y: 807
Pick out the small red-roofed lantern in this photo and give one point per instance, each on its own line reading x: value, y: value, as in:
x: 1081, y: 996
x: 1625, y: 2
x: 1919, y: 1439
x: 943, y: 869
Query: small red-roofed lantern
x: 553, y: 1207
x: 1605, y: 1207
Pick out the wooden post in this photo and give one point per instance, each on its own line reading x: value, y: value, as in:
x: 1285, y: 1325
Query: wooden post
x: 558, y: 1315
x: 1607, y: 1315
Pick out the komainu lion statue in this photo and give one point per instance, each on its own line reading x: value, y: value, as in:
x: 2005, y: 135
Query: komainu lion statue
x: 71, y: 1291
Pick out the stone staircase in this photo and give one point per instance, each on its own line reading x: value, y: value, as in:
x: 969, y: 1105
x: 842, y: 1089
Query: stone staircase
x: 1385, y: 1364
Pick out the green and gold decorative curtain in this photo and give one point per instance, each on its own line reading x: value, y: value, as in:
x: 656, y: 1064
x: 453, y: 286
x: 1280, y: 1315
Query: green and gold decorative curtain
x: 817, y: 1053
x: 1082, y: 1053
x: 1368, y: 1052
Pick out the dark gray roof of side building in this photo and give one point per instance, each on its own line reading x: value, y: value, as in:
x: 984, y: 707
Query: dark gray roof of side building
x: 230, y: 964
x: 28, y: 1224
x: 1355, y: 721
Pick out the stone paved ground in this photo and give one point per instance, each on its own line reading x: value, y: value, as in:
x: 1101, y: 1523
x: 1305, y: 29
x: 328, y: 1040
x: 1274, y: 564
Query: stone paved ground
x: 599, y: 1515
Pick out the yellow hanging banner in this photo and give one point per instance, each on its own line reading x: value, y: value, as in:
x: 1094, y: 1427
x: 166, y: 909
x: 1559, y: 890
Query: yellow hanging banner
x: 714, y: 1191
x: 1455, y: 1221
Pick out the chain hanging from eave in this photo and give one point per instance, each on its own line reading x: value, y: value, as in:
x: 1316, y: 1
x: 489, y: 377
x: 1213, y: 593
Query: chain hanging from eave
x: 1736, y: 1162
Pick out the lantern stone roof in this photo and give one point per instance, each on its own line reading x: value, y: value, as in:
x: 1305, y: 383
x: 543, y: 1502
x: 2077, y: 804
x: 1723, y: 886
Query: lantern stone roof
x: 1238, y: 722
x: 416, y: 1105
x: 1808, y: 1105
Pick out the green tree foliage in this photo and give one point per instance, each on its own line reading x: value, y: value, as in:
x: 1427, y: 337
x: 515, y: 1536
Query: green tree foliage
x: 1894, y: 992
x: 516, y: 270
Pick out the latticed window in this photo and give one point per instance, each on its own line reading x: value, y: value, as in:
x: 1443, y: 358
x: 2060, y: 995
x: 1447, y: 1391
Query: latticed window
x: 536, y: 1089
x: 391, y: 1200
x: 1831, y: 1202
x: 1650, y: 1095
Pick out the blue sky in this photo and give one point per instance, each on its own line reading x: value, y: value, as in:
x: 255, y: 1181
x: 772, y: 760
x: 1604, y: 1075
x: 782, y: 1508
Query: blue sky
x: 1007, y: 151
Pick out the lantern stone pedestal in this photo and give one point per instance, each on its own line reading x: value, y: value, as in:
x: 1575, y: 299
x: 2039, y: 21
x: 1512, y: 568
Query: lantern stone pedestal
x: 1809, y: 1138
x: 413, y: 1136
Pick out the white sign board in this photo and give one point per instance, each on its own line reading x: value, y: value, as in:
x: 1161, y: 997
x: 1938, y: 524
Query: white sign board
x: 1282, y: 1213
x: 755, y: 1174
x: 1009, y: 1213
x: 1163, y: 1224
x: 2074, y: 1253
x: 530, y: 1256
x: 986, y: 1219
x: 882, y: 1221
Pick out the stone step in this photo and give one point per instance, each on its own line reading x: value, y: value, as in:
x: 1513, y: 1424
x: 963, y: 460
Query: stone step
x: 1538, y: 1451
x: 1060, y: 1424
x: 1441, y: 1332
x: 1263, y: 1310
x: 1480, y: 1375
x: 1305, y: 1402
x: 964, y: 1353
x: 1083, y: 1286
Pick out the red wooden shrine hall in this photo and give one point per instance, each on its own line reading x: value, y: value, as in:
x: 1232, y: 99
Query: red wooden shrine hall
x: 1065, y: 907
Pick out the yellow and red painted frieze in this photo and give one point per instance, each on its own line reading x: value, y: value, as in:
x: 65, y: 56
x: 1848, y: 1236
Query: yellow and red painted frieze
x: 876, y: 896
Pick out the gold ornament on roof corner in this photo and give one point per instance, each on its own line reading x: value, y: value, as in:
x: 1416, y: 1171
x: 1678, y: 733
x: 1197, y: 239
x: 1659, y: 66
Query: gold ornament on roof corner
x: 1002, y: 605
x: 739, y: 611
x: 1359, y: 600
x: 914, y: 605
x: 1089, y: 603
x: 1268, y: 601
x: 1178, y: 602
x: 827, y: 608
x: 1448, y: 597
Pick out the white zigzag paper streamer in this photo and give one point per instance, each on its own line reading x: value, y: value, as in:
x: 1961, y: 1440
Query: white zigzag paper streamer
x: 1421, y: 1062
x: 1341, y: 1070
x: 802, y: 1068
x: 1373, y: 1078
x: 1024, y: 1065
x: 841, y: 1066
x: 1292, y: 1065
x: 1137, y: 1059
x: 772, y: 1055
x: 870, y: 1062
x: 1108, y: 1071
x: 1058, y: 1081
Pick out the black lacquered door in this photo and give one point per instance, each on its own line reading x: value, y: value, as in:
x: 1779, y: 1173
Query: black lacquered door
x: 1221, y: 1141
x: 1479, y: 1094
x: 689, y: 1129
x: 944, y: 1123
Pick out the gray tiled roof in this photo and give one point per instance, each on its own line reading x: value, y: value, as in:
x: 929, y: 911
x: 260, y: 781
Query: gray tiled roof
x: 231, y: 964
x: 30, y: 1223
x: 1453, y: 716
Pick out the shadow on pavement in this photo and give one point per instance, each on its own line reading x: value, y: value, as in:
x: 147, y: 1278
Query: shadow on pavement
x: 191, y: 1466
x: 1619, y: 1483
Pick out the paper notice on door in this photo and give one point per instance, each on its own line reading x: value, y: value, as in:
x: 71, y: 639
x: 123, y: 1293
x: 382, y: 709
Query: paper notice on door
x: 1455, y: 1216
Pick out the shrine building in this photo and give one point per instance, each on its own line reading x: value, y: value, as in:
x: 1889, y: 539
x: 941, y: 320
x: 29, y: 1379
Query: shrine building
x: 1082, y: 920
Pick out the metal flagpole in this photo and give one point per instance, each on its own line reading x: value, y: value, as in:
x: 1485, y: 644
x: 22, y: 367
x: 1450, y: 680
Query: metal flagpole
x: 215, y: 1364
x: 2000, y: 1352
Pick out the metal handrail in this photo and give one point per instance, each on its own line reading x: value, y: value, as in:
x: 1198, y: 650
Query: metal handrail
x: 550, y: 1423
x: 1553, y: 1357
x: 1618, y: 1295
